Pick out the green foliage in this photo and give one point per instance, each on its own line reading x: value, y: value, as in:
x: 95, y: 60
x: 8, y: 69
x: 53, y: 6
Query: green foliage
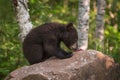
x: 47, y: 11
x: 112, y: 30
x: 10, y: 46
x: 112, y: 42
x: 62, y: 11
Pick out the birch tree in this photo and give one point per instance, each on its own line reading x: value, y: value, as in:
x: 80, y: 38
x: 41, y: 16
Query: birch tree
x: 23, y: 18
x: 83, y: 23
x: 99, y: 32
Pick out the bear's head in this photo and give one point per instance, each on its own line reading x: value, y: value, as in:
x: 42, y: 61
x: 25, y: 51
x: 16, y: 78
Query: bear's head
x: 70, y: 37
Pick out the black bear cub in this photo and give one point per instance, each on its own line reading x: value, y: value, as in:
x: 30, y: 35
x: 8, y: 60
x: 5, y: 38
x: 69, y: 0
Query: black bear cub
x: 44, y: 41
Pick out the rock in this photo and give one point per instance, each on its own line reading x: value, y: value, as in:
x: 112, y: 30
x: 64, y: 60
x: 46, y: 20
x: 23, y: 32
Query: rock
x: 84, y: 65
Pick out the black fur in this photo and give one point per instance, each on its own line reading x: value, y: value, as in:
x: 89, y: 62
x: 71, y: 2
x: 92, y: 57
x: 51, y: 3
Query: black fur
x: 44, y: 41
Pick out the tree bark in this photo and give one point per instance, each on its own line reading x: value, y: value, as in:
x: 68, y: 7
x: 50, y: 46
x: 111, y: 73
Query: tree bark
x: 99, y: 32
x: 23, y: 17
x: 83, y: 23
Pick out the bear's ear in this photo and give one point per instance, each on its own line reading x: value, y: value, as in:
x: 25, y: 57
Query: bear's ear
x: 69, y: 26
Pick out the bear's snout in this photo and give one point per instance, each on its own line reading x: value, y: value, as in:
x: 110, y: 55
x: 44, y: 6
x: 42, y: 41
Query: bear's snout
x: 74, y: 46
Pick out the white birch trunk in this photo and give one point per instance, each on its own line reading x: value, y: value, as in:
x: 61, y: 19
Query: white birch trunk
x: 23, y: 18
x: 83, y: 23
x: 99, y: 32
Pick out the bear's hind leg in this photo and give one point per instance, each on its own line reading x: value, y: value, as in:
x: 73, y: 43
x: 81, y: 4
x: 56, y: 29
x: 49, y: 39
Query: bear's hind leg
x: 35, y: 54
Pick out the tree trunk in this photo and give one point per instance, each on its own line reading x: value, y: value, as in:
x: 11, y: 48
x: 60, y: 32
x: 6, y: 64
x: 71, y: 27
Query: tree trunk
x: 83, y: 23
x: 23, y: 17
x: 65, y: 4
x: 99, y: 33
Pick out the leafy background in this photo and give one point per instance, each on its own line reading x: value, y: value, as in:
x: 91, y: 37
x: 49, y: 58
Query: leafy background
x: 62, y: 11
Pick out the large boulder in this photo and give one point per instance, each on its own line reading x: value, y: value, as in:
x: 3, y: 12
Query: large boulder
x: 84, y: 65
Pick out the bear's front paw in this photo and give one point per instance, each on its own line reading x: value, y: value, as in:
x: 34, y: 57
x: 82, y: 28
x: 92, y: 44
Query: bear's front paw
x: 68, y: 55
x: 64, y: 55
